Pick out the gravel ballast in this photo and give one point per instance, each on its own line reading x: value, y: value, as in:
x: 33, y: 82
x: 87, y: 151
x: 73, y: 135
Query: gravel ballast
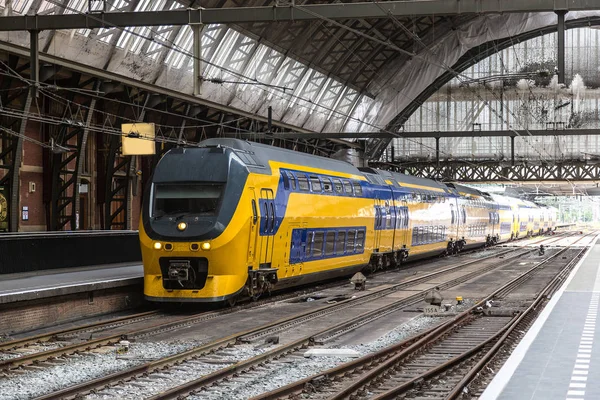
x: 84, y: 367
x: 285, y: 371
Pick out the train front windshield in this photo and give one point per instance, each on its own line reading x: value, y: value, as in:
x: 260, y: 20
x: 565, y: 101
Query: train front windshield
x: 194, y: 199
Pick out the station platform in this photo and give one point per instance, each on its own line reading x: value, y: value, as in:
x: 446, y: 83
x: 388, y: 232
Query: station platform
x: 52, y: 283
x: 558, y: 357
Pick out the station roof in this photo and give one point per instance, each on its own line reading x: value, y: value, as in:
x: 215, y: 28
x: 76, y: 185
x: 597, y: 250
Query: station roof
x: 319, y: 75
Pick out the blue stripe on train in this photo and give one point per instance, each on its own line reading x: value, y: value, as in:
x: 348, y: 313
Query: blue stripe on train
x: 269, y: 224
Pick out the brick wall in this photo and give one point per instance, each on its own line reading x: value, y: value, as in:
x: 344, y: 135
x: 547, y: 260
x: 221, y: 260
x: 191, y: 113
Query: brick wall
x: 30, y: 315
x: 32, y: 172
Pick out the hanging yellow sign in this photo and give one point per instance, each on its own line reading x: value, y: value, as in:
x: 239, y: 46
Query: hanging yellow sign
x: 138, y: 139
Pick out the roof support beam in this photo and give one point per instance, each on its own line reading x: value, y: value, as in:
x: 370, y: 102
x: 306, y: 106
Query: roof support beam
x: 197, y: 53
x: 561, y: 45
x: 385, y: 135
x: 143, y: 86
x: 338, y: 11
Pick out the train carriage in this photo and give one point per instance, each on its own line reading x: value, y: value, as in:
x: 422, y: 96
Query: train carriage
x: 506, y: 217
x: 231, y: 218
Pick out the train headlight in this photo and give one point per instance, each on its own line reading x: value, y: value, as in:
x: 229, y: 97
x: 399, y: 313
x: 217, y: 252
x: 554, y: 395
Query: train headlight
x: 181, y: 226
x: 205, y: 246
x: 157, y: 245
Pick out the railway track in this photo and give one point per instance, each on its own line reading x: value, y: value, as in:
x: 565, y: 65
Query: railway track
x: 437, y: 364
x: 25, y: 351
x: 216, y: 361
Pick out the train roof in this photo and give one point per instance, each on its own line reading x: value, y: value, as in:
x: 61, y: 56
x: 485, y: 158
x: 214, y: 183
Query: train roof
x: 406, y: 181
x: 256, y: 156
x: 466, y: 190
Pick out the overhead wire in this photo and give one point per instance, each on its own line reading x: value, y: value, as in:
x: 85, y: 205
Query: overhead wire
x: 175, y: 46
x: 457, y: 75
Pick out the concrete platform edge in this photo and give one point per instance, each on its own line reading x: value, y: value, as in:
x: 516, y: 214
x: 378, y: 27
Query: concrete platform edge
x: 34, y: 294
x: 508, y: 369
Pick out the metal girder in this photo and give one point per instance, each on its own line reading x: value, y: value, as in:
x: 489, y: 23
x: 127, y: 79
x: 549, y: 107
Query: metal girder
x: 109, y: 76
x: 228, y: 15
x: 438, y: 134
x: 11, y: 145
x: 496, y: 171
x: 114, y: 172
x: 473, y: 56
x: 66, y: 162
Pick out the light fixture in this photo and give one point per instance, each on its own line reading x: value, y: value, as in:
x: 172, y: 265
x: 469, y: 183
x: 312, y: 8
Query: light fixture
x: 181, y: 226
x: 205, y: 246
x: 157, y: 245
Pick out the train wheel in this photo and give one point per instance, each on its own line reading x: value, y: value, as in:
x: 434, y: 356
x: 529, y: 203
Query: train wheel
x: 232, y: 301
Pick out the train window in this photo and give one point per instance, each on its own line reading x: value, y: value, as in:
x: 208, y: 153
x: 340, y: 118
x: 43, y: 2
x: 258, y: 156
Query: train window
x: 292, y: 180
x: 414, y: 236
x: 309, y: 242
x: 350, y: 240
x: 347, y: 188
x: 318, y: 244
x: 327, y: 186
x: 267, y: 217
x: 340, y: 242
x: 170, y: 199
x: 286, y: 181
x: 360, y: 241
x: 464, y: 215
x: 303, y: 183
x: 452, y: 218
x: 337, y: 185
x: 272, y: 216
x: 357, y: 188
x: 315, y: 183
x: 254, y: 212
x: 329, y: 243
x: 393, y: 217
x: 389, y: 218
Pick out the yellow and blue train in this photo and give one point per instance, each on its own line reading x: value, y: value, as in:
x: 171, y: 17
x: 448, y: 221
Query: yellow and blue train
x: 232, y: 218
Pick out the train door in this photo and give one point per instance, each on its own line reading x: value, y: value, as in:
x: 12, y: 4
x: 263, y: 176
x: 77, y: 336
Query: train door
x: 379, y: 221
x: 267, y: 227
x: 297, y: 249
x: 404, y: 224
x: 454, y: 220
x: 254, y: 228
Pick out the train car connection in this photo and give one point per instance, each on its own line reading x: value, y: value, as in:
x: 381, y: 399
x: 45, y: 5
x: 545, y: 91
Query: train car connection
x: 232, y: 218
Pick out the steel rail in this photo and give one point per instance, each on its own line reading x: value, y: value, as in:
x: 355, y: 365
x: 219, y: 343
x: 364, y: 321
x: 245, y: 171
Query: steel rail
x: 243, y: 336
x: 248, y: 335
x: 393, y: 393
x: 545, y: 295
x: 193, y: 386
x: 46, y: 337
x: 399, y: 350
x: 495, y: 340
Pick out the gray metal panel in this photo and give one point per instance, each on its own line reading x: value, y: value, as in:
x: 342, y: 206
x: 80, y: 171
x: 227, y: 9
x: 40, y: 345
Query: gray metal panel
x: 265, y: 153
x: 424, y: 134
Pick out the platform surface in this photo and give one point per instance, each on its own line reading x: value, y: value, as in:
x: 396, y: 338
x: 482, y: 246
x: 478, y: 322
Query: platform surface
x: 559, y: 357
x: 20, y: 287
